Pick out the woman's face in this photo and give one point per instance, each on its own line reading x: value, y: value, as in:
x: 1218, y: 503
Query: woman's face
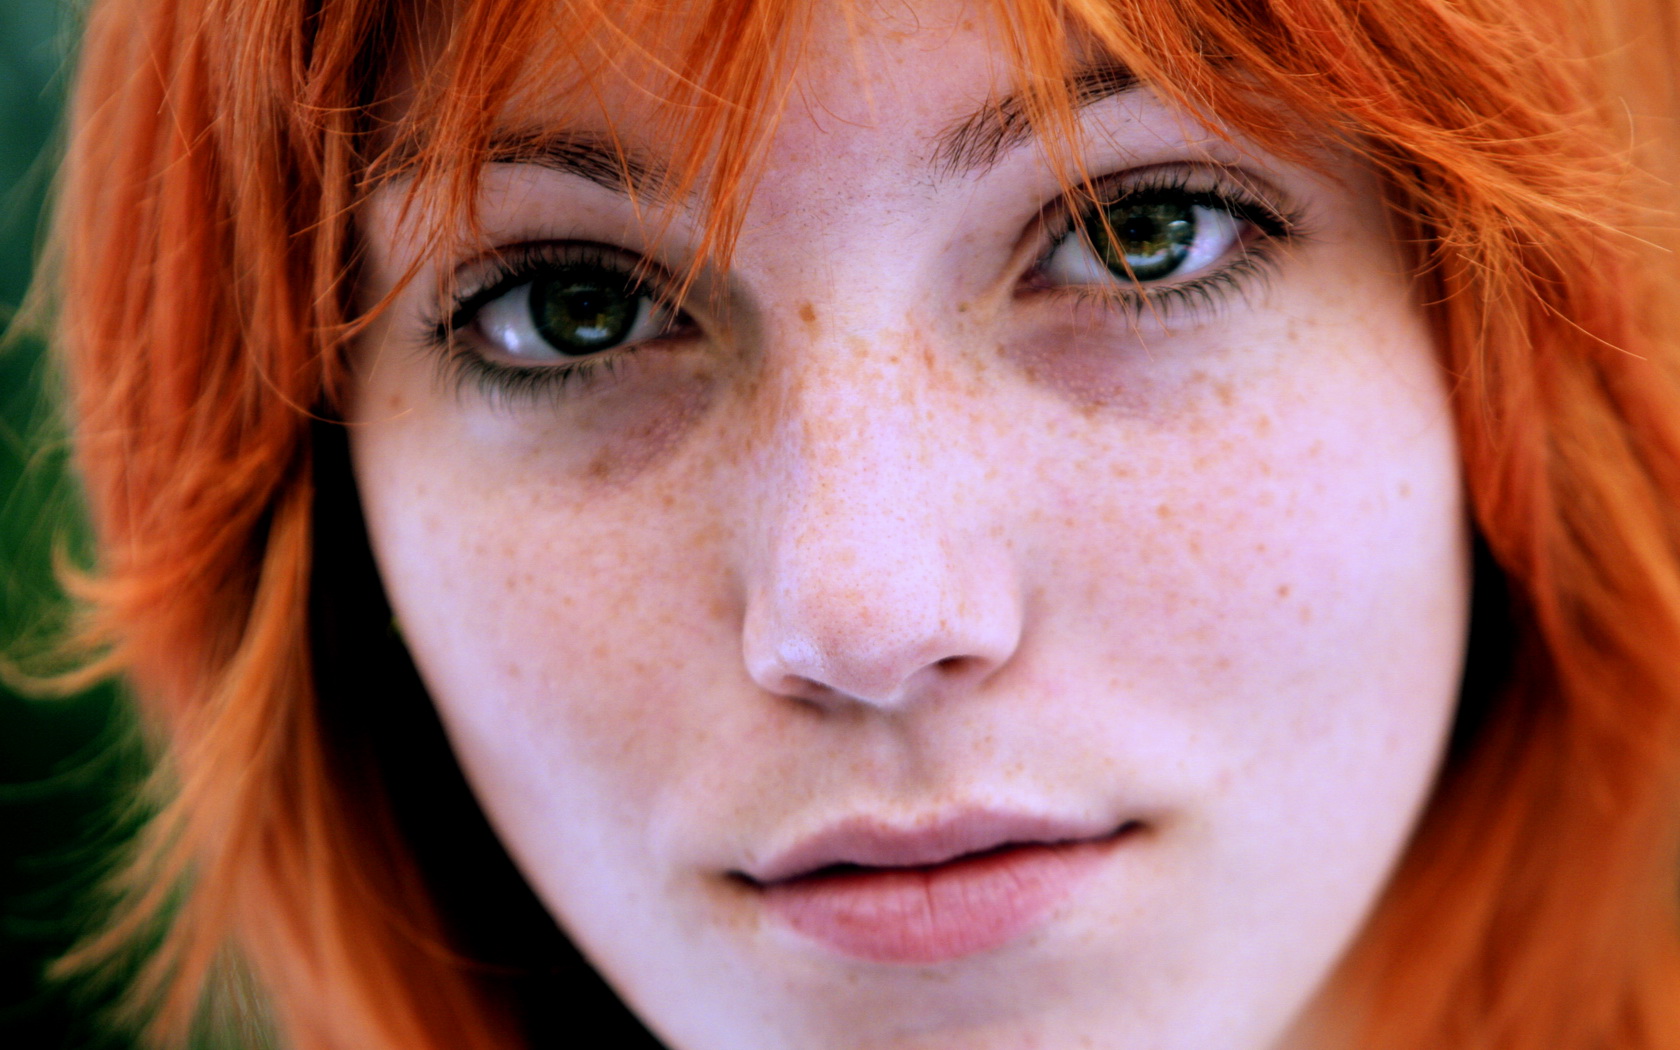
x: 925, y: 636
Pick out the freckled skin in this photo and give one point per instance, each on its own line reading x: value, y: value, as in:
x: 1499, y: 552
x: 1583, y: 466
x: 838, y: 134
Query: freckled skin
x: 912, y: 539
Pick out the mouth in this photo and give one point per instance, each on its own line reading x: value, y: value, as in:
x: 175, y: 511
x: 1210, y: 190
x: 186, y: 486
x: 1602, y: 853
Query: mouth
x: 932, y: 894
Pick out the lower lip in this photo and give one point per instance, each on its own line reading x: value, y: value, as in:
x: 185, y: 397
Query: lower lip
x: 941, y: 912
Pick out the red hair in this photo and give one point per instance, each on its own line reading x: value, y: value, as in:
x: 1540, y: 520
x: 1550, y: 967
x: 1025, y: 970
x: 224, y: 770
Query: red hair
x: 218, y: 153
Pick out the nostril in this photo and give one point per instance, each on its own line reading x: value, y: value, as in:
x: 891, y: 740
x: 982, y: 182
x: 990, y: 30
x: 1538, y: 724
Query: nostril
x: 808, y: 689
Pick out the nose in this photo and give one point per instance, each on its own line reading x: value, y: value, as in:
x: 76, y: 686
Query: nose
x: 883, y: 575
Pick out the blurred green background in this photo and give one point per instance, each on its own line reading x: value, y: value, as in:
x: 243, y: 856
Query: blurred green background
x: 68, y: 766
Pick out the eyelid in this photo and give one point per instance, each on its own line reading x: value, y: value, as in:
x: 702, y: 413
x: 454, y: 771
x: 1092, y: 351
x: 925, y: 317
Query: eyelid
x: 1266, y: 206
x: 507, y: 267
x: 503, y: 270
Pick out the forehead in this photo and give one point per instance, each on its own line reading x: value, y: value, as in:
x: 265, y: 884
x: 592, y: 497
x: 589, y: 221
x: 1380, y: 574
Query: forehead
x: 663, y: 86
x: 835, y: 57
x: 831, y: 72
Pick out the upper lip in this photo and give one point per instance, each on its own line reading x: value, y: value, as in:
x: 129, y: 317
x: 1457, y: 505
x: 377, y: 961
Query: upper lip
x: 869, y: 842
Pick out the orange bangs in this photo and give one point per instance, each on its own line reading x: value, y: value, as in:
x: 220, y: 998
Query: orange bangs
x: 219, y: 152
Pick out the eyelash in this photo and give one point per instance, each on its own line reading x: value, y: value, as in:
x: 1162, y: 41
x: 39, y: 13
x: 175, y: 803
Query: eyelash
x: 1277, y: 224
x: 510, y: 268
x: 518, y: 265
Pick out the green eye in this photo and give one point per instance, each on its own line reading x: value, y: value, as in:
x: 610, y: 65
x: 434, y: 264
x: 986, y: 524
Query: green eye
x: 555, y: 312
x: 584, y: 310
x: 1151, y: 236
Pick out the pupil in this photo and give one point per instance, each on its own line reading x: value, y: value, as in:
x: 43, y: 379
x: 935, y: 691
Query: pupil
x: 1151, y: 237
x: 583, y: 311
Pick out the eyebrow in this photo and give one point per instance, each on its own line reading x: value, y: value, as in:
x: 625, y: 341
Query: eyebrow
x: 979, y: 141
x: 588, y: 156
x: 974, y: 143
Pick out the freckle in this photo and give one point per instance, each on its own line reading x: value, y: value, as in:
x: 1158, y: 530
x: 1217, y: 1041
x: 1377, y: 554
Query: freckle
x: 1405, y: 490
x: 808, y: 313
x: 1163, y: 512
x: 1224, y: 393
x: 1283, y: 590
x: 395, y: 402
x: 1306, y: 614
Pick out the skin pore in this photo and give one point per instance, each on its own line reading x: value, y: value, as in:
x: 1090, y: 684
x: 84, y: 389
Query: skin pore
x: 918, y: 530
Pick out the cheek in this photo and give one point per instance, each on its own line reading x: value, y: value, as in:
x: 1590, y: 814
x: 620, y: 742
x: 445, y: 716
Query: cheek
x: 555, y: 616
x: 1289, y: 503
x: 1277, y: 583
x: 1298, y: 542
x: 1259, y: 599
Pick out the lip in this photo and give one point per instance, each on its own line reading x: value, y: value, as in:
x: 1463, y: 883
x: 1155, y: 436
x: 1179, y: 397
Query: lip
x: 936, y: 892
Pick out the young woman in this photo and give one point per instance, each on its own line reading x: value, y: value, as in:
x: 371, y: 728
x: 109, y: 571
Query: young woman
x: 1129, y: 525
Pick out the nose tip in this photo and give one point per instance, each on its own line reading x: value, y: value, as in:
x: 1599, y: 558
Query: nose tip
x: 884, y: 632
